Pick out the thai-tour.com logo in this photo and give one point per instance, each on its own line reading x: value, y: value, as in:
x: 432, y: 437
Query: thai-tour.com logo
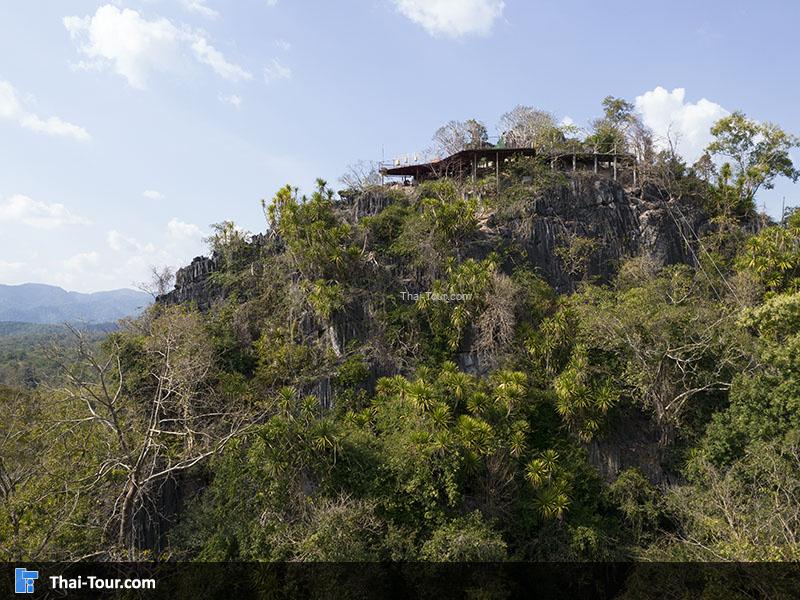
x: 24, y: 580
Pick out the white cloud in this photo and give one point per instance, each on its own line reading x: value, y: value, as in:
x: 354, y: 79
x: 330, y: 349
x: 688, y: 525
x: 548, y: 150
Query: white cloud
x: 452, y: 18
x: 234, y: 100
x: 135, y: 47
x: 276, y: 71
x: 82, y: 261
x: 200, y: 7
x: 179, y: 230
x: 670, y: 116
x: 121, y: 243
x: 37, y: 214
x: 11, y: 107
x: 283, y: 44
x: 153, y: 195
x: 117, y: 241
x: 212, y: 57
x: 122, y: 261
x: 272, y: 3
x: 10, y: 268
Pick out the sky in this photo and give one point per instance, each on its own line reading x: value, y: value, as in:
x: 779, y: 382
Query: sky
x: 128, y: 127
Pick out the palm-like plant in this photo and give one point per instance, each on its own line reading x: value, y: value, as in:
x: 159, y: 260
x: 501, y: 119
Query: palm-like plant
x: 476, y: 434
x: 323, y: 437
x: 551, y: 503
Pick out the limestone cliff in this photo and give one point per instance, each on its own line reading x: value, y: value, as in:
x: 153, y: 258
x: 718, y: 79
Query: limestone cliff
x: 613, y: 222
x: 620, y: 223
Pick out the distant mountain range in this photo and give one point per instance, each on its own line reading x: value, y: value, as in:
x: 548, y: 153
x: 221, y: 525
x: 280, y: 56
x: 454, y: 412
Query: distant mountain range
x: 48, y: 304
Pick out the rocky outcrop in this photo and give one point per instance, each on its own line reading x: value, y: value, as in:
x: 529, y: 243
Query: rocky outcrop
x: 617, y: 224
x: 602, y: 221
x: 632, y: 440
x: 194, y: 284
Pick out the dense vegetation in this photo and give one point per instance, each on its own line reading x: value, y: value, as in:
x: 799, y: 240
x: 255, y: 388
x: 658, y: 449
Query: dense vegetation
x: 318, y: 413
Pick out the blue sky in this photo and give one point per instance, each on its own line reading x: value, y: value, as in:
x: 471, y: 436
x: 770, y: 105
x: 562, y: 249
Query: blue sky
x: 127, y: 127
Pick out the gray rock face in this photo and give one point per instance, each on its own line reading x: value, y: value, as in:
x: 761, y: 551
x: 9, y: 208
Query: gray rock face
x: 193, y: 283
x: 620, y: 225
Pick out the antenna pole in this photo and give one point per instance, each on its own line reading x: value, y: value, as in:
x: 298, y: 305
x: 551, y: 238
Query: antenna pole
x: 783, y: 211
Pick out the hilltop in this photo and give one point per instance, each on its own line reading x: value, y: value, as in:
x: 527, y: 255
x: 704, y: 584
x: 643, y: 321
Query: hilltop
x: 553, y: 358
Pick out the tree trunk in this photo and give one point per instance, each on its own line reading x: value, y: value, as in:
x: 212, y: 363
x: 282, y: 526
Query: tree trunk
x: 125, y: 534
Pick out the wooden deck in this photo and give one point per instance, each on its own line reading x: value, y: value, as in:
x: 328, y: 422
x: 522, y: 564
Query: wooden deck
x: 486, y: 161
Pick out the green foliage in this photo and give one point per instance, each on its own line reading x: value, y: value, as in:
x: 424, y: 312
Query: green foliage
x: 326, y: 298
x: 467, y: 539
x: 773, y: 256
x: 742, y: 511
x: 758, y: 154
x: 281, y: 359
x: 689, y: 375
x: 639, y: 503
x: 230, y: 246
x: 448, y: 320
x: 443, y: 221
x: 663, y: 342
x: 764, y: 405
x: 583, y: 400
x: 318, y: 240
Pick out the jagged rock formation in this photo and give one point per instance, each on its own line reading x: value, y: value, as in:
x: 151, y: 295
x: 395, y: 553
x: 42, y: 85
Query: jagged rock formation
x: 621, y: 223
x: 612, y: 222
x: 193, y: 284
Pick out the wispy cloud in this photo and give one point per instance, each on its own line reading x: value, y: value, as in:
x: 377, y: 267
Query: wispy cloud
x: 38, y: 214
x: 153, y: 195
x: 452, y: 18
x: 12, y: 107
x: 234, y: 100
x: 208, y: 55
x: 276, y: 71
x: 180, y: 230
x: 135, y: 47
x: 200, y: 7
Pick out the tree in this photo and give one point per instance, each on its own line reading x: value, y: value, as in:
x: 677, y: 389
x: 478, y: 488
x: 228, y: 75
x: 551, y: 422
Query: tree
x: 756, y: 153
x: 773, y: 256
x: 318, y: 240
x: 44, y: 464
x: 148, y: 397
x: 361, y: 175
x: 230, y: 245
x: 663, y: 343
x: 160, y: 283
x: 611, y: 129
x: 467, y: 539
x: 529, y: 127
x: 456, y: 136
x: 743, y: 512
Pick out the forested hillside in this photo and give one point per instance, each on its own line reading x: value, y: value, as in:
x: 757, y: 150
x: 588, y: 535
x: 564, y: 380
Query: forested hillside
x: 543, y: 365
